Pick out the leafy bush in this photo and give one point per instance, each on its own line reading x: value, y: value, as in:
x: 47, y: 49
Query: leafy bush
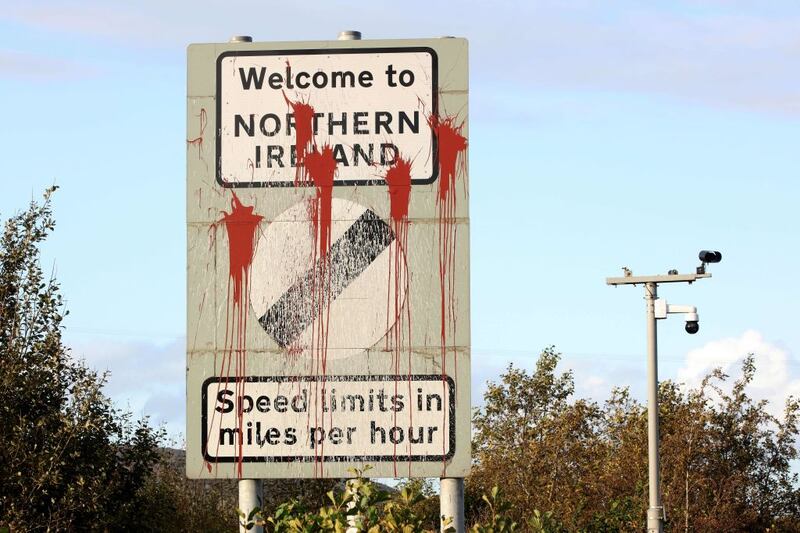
x: 68, y: 459
x: 361, y: 506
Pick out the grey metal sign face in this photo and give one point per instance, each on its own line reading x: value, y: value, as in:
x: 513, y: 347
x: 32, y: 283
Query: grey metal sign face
x: 328, y: 259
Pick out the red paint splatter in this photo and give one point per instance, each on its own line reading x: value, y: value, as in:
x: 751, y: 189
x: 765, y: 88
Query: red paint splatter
x: 321, y: 168
x: 318, y: 168
x: 198, y: 141
x: 241, y: 226
x: 304, y: 134
x: 452, y: 147
x: 398, y: 180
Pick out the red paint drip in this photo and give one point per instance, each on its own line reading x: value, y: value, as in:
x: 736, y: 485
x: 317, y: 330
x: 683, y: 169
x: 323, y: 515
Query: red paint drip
x: 304, y: 134
x: 398, y: 180
x: 318, y: 168
x: 198, y: 141
x: 452, y: 147
x: 321, y: 168
x: 241, y: 226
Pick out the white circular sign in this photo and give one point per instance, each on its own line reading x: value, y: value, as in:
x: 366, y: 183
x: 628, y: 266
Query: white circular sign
x: 344, y: 304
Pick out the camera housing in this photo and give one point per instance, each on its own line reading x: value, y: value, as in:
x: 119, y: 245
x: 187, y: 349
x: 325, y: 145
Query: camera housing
x: 692, y: 323
x: 709, y: 256
x: 706, y: 257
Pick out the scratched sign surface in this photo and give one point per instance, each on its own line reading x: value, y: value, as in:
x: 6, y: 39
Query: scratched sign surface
x: 328, y: 259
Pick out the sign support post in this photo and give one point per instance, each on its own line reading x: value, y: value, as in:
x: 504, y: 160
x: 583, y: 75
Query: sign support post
x: 251, y: 496
x: 251, y: 493
x: 451, y: 503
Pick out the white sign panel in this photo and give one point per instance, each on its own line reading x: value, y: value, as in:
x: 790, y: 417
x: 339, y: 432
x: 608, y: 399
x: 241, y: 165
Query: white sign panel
x: 357, y: 314
x: 359, y: 417
x: 369, y: 106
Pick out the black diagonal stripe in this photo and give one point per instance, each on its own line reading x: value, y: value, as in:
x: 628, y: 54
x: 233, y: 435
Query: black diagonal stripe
x: 360, y: 245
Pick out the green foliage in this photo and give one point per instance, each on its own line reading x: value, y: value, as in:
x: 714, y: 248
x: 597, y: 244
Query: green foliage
x: 498, y: 510
x: 426, y: 505
x: 540, y: 522
x: 170, y: 502
x: 619, y: 515
x: 360, y: 505
x: 68, y: 459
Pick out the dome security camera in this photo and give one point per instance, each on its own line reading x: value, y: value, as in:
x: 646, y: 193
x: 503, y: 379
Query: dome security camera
x: 662, y: 309
x: 692, y: 323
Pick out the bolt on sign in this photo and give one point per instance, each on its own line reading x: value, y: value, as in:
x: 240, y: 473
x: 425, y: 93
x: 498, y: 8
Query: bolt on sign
x: 328, y: 259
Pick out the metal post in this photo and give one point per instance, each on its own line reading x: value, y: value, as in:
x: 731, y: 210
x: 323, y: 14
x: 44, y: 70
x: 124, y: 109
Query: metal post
x: 655, y: 513
x: 451, y: 502
x: 251, y: 496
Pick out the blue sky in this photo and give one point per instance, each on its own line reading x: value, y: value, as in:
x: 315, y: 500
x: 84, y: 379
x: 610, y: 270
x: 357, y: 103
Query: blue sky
x: 603, y: 134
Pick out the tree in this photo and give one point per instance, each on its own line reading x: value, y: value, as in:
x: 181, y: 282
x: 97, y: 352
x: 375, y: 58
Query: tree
x: 728, y: 465
x: 540, y: 448
x: 68, y: 459
x: 725, y: 461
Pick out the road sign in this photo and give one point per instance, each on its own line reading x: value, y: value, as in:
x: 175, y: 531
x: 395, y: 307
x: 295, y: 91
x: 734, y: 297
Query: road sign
x: 328, y: 259
x: 356, y: 312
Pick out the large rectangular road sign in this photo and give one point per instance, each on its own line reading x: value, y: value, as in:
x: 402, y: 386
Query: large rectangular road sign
x: 328, y: 259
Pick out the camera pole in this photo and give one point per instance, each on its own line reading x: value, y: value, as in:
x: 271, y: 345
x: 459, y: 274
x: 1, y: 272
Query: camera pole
x: 655, y: 511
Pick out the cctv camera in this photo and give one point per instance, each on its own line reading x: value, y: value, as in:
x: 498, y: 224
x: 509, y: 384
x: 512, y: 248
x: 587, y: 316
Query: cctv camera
x: 692, y: 323
x: 708, y: 256
x: 661, y: 308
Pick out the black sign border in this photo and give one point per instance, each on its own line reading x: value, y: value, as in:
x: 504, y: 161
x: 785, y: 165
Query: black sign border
x: 325, y: 51
x: 331, y: 458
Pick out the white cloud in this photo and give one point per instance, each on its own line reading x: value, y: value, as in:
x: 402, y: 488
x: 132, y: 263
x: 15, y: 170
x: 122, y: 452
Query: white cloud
x: 594, y: 386
x: 146, y: 377
x: 776, y: 377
